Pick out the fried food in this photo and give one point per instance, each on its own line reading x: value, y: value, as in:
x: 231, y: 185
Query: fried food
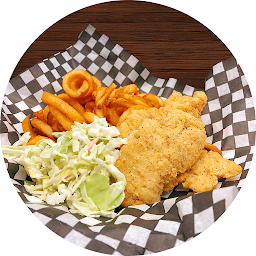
x: 26, y: 126
x: 134, y: 99
x: 72, y: 102
x: 193, y: 105
x: 42, y: 127
x: 77, y: 83
x: 212, y: 147
x: 40, y: 115
x: 101, y: 101
x: 130, y: 89
x: 85, y: 93
x: 167, y: 147
x: 204, y: 174
x: 35, y: 139
x: 46, y: 112
x: 64, y: 121
x: 156, y: 101
x: 127, y: 112
x: 112, y: 115
x: 62, y: 106
x: 168, y: 142
x: 89, y: 117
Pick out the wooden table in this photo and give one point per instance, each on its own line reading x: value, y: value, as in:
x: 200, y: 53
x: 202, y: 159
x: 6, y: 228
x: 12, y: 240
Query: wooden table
x: 167, y: 42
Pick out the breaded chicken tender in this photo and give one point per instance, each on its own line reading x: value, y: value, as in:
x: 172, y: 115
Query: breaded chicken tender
x: 204, y: 174
x: 193, y: 105
x: 167, y: 142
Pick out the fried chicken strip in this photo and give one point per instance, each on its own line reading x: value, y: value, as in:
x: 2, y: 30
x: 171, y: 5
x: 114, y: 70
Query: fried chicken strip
x: 204, y: 174
x: 193, y: 105
x: 168, y: 142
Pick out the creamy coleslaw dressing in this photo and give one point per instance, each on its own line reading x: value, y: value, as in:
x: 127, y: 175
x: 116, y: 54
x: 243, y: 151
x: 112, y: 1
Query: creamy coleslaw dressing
x: 78, y: 170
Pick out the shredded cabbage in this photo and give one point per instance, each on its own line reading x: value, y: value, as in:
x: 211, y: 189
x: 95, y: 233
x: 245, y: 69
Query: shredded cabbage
x: 78, y: 170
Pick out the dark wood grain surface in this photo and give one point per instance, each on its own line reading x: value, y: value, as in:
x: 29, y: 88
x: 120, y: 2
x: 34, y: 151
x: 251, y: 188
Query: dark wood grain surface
x: 167, y: 42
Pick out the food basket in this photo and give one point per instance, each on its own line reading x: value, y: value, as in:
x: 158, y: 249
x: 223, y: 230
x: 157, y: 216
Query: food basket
x: 229, y: 120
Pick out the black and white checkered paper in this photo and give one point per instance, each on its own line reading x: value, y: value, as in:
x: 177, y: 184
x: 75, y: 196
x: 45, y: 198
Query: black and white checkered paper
x: 180, y: 215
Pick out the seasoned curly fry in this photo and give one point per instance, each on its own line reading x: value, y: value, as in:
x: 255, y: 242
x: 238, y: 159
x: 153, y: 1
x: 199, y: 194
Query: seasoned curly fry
x: 61, y: 118
x: 135, y: 99
x: 40, y: 115
x: 62, y: 106
x: 112, y: 116
x: 156, y: 101
x: 43, y: 127
x: 26, y: 126
x: 85, y: 93
x: 100, y: 104
x: 72, y: 102
x: 78, y: 83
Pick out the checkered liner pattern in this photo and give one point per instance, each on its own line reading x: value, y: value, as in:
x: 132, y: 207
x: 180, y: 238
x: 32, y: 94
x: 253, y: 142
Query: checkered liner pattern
x: 180, y: 215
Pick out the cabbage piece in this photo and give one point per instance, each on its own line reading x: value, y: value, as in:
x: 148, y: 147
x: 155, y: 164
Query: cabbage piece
x: 104, y: 196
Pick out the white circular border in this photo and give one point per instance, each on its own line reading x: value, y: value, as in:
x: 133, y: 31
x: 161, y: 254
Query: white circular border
x: 232, y: 22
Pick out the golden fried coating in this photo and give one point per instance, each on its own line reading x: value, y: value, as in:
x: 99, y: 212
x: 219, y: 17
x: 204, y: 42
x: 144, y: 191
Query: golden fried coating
x: 193, y: 105
x: 204, y: 174
x: 168, y: 141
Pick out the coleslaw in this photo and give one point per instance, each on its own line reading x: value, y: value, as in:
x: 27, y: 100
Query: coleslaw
x: 77, y: 170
